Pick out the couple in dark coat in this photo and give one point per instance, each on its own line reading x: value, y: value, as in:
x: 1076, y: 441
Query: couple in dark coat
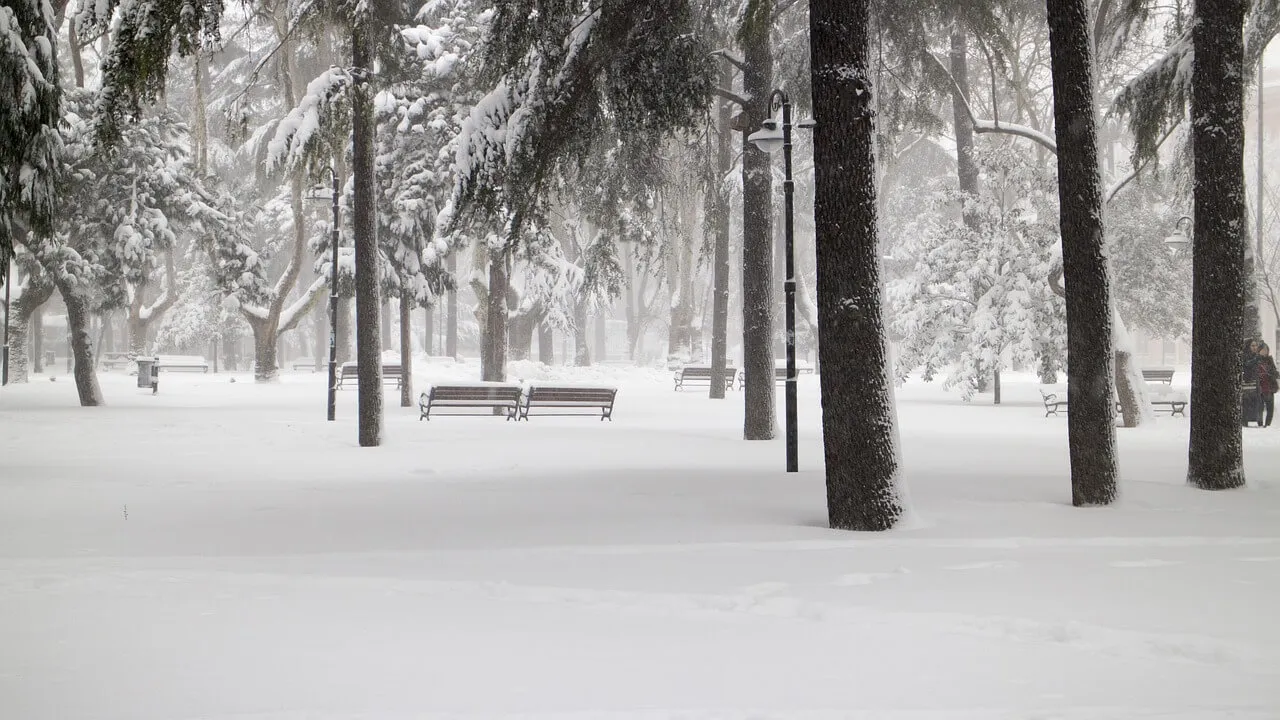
x: 1259, y: 382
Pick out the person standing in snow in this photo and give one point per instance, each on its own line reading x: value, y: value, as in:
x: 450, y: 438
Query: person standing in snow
x: 1250, y: 399
x: 1268, y: 380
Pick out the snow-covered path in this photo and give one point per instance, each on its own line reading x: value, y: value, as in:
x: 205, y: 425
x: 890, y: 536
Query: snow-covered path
x: 219, y: 551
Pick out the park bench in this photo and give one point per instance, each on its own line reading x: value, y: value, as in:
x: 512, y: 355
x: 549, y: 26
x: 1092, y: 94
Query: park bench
x: 483, y: 395
x: 1052, y: 403
x: 701, y: 375
x: 116, y: 360
x: 1161, y: 375
x: 564, y: 399
x: 182, y: 362
x: 391, y: 374
x: 306, y: 363
x: 779, y: 372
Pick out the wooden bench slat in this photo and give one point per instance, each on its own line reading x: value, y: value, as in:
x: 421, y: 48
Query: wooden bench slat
x: 569, y: 397
x: 501, y: 396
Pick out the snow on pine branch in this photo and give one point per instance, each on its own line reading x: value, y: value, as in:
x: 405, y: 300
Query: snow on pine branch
x: 299, y: 136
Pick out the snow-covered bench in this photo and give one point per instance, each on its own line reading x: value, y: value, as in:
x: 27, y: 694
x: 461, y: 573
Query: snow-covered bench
x: 182, y: 362
x: 1160, y: 375
x: 779, y: 372
x: 1054, y: 401
x: 563, y: 399
x: 478, y: 395
x: 701, y: 375
x: 391, y: 373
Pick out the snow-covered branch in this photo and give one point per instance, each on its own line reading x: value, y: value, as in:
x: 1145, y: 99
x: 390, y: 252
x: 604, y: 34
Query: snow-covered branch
x: 290, y: 316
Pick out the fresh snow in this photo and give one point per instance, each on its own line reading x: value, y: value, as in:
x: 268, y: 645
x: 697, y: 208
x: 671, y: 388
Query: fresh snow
x: 219, y: 551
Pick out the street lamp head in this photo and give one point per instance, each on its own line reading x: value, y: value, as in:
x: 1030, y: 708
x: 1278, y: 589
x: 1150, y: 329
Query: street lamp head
x: 1179, y: 240
x: 769, y: 137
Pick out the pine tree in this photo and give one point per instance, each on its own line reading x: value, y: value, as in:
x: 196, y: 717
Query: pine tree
x: 30, y: 104
x: 858, y: 415
x: 1090, y: 427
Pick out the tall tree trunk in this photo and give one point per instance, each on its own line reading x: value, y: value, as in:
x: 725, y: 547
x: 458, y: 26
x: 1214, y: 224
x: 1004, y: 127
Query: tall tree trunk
x: 493, y: 354
x: 202, y: 118
x: 546, y: 344
x: 24, y: 325
x: 602, y: 336
x: 720, y: 219
x: 581, y: 350
x: 759, y: 420
x: 1215, y: 454
x: 78, y: 317
x: 858, y: 414
x: 451, y: 321
x: 73, y: 49
x: 37, y: 337
x: 344, y: 329
x: 429, y: 331
x: 967, y: 176
x: 520, y: 328
x: 320, y: 348
x: 386, y: 324
x: 406, y: 348
x: 368, y: 352
x: 1091, y: 429
x: 264, y: 350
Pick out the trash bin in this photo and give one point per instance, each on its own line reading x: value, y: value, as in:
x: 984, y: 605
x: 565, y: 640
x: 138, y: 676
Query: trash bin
x: 148, y: 373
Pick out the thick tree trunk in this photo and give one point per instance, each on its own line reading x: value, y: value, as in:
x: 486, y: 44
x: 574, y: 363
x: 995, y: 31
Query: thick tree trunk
x: 78, y: 317
x: 1215, y: 454
x: 520, y: 330
x: 581, y: 352
x: 858, y: 415
x: 967, y: 176
x: 368, y: 350
x: 602, y: 336
x: 320, y: 348
x: 1091, y: 429
x: 344, y: 330
x: 546, y: 344
x: 73, y: 48
x: 429, y: 331
x: 386, y: 324
x: 451, y: 322
x: 759, y: 421
x: 24, y: 326
x: 37, y: 337
x: 201, y: 129
x: 406, y: 348
x: 493, y: 354
x: 265, y: 349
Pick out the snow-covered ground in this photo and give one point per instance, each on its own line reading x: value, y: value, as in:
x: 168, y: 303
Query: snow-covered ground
x: 219, y: 551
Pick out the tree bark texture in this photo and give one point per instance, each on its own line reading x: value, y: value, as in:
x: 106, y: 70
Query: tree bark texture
x: 451, y: 320
x: 78, y: 317
x: 1091, y: 429
x: 966, y: 161
x: 760, y: 416
x: 368, y: 300
x: 25, y: 326
x: 493, y: 355
x: 546, y: 345
x: 1215, y: 455
x: 719, y: 218
x: 602, y: 336
x: 37, y: 335
x: 406, y: 348
x: 429, y: 331
x: 344, y: 330
x: 858, y: 416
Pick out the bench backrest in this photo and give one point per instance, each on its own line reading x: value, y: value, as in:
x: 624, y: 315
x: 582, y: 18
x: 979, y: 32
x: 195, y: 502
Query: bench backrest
x: 698, y: 371
x: 474, y: 392
x: 163, y: 360
x: 350, y: 368
x: 1157, y: 374
x: 552, y: 394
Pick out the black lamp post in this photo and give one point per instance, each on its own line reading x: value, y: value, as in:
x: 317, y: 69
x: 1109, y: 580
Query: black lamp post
x: 334, y: 238
x: 769, y: 139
